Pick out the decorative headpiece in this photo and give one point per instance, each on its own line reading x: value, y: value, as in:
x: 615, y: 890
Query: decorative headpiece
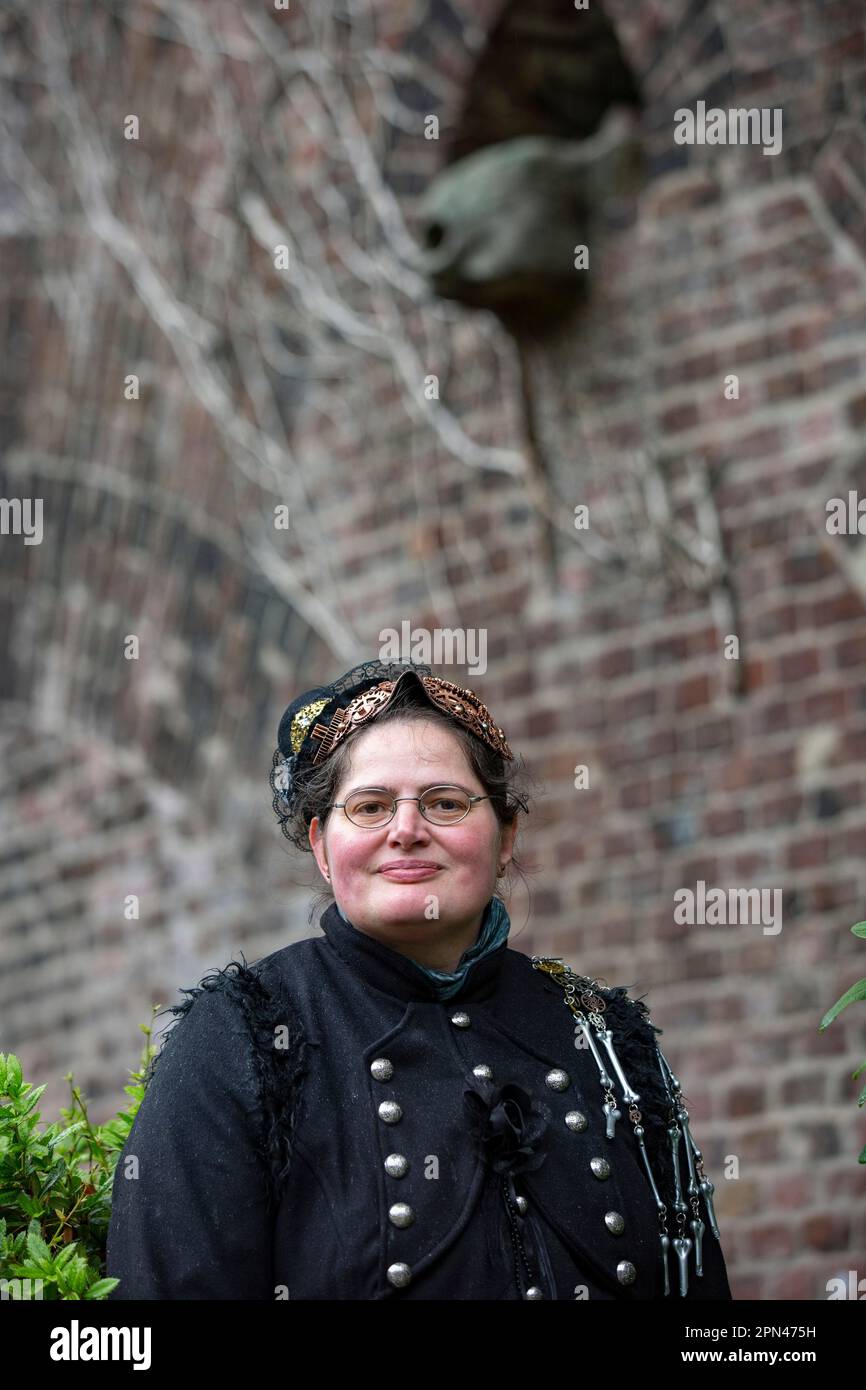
x: 317, y: 722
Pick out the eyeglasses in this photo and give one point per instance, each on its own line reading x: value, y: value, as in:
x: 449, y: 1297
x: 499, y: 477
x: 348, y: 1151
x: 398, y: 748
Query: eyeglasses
x: 373, y: 807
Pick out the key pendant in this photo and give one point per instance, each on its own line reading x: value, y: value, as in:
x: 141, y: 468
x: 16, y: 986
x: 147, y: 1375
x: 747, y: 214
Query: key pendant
x: 708, y: 1189
x: 629, y: 1096
x: 698, y: 1228
x: 683, y: 1118
x: 666, y: 1243
x: 705, y: 1185
x: 606, y: 1081
x: 639, y: 1136
x: 683, y: 1245
x: 613, y: 1115
x: 674, y: 1138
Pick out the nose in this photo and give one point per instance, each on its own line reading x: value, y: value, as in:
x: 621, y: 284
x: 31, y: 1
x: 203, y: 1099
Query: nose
x: 408, y: 822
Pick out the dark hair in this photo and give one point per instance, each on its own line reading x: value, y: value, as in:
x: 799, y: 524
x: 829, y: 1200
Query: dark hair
x: 505, y: 782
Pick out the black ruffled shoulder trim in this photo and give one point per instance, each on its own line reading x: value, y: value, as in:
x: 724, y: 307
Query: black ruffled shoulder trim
x: 280, y: 1069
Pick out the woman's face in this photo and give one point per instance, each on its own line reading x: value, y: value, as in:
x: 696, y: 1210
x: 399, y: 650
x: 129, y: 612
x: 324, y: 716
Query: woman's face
x: 446, y: 906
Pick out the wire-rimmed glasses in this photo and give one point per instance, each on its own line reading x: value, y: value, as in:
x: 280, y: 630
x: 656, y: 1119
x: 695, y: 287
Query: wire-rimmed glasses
x: 372, y: 807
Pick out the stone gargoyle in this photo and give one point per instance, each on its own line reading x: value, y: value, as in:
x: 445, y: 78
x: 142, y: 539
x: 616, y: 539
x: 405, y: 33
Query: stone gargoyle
x: 502, y: 228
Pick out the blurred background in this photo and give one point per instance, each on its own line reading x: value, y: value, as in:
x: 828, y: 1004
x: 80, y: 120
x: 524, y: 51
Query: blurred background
x: 361, y: 315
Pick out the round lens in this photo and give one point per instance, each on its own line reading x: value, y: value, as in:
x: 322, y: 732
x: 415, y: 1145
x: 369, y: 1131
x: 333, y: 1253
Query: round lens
x: 444, y: 805
x: 369, y: 807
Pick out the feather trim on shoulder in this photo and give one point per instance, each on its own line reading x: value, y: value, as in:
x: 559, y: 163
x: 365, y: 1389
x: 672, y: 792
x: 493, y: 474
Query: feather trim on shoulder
x: 279, y: 1057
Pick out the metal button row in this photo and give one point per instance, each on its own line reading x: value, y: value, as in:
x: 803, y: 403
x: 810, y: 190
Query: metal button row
x: 397, y: 1165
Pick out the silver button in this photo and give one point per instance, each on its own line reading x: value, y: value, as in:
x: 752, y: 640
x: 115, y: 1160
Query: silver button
x: 522, y: 1205
x: 599, y: 1166
x: 615, y: 1222
x: 577, y: 1121
x: 460, y: 1019
x: 399, y: 1275
x: 401, y: 1214
x: 534, y: 1292
x: 390, y: 1112
x: 396, y: 1165
x: 558, y: 1080
x: 484, y: 1073
x: 382, y: 1069
x: 626, y: 1272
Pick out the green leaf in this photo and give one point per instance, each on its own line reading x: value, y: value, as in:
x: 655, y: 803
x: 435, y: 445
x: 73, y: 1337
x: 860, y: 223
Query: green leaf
x: 36, y: 1247
x: 29, y: 1271
x: 32, y: 1099
x: 102, y: 1288
x: 78, y: 1275
x: 70, y: 1129
x: 53, y: 1177
x: 856, y: 992
x: 859, y: 929
x: 13, y: 1075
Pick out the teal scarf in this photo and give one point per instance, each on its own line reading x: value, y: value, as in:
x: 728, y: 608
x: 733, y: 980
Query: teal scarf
x: 495, y: 926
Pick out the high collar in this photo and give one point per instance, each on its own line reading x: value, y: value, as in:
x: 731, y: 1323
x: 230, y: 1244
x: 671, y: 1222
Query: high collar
x: 398, y: 975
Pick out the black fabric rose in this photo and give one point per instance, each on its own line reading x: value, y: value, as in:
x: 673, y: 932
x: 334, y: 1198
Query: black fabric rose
x: 509, y: 1126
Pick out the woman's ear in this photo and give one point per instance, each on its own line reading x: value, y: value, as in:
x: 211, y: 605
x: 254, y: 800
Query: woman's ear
x: 317, y: 844
x: 508, y: 835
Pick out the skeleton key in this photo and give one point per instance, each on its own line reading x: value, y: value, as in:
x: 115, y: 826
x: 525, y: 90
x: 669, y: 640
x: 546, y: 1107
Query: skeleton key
x: 708, y: 1189
x: 683, y: 1245
x: 698, y: 1229
x: 666, y: 1241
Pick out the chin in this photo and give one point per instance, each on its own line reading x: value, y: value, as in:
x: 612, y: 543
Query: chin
x: 404, y: 895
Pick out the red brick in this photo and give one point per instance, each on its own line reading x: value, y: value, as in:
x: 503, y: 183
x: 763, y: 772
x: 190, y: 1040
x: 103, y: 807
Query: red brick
x: 693, y: 692
x: 771, y: 1240
x: 829, y: 1231
x: 850, y: 652
x: 619, y: 662
x: 797, y: 666
x: 808, y: 853
x: 746, y: 1100
x: 805, y: 1088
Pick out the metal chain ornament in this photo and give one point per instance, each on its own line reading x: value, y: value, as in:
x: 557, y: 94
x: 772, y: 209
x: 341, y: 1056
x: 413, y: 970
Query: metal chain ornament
x: 587, y: 1006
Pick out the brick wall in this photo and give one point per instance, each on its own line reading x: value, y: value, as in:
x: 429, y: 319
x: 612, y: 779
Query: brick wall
x: 149, y: 777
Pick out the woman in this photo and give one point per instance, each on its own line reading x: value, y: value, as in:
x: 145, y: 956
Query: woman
x: 405, y: 1107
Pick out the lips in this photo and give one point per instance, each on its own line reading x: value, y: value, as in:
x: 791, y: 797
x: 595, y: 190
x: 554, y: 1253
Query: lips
x: 408, y: 872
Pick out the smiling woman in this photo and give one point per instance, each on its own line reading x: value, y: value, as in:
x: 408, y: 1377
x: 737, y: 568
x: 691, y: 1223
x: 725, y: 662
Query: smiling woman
x: 405, y: 870
x: 402, y: 1108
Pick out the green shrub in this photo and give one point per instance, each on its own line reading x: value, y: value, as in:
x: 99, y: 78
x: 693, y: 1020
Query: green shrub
x: 857, y: 993
x: 55, y: 1187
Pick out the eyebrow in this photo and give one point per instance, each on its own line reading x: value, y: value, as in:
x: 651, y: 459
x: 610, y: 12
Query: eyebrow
x: 368, y: 787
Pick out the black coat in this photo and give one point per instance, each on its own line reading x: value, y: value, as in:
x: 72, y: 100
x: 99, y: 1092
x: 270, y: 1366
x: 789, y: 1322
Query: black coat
x: 261, y: 1148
